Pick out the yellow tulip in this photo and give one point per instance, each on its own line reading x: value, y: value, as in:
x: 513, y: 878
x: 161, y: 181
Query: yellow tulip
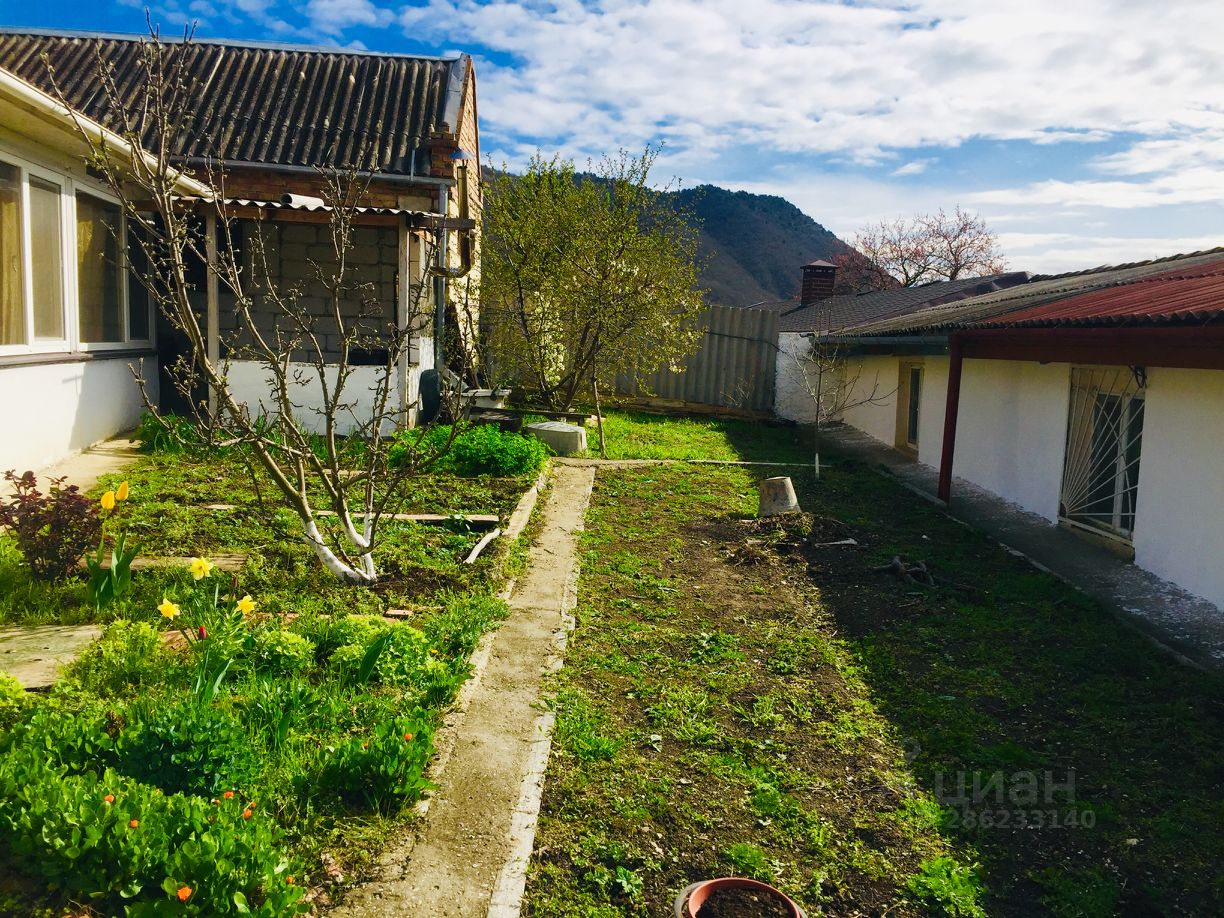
x: 246, y: 605
x: 200, y: 568
x: 122, y: 492
x: 168, y: 609
x: 108, y: 500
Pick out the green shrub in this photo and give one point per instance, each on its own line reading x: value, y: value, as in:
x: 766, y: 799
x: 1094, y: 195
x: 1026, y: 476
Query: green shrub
x: 14, y: 702
x: 277, y: 651
x: 946, y: 887
x: 188, y: 748
x: 53, y: 530
x: 125, y: 660
x: 126, y: 848
x: 481, y: 450
x: 78, y: 740
x: 383, y: 769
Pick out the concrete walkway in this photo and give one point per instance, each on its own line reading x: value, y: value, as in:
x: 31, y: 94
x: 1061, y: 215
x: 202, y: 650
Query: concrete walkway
x: 1190, y: 627
x: 83, y: 469
x: 468, y: 856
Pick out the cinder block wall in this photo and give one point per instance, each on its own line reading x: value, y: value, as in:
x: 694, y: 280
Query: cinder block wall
x: 293, y: 252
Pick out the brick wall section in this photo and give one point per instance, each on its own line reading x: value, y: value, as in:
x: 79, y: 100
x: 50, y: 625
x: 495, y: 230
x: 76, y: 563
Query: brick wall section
x: 291, y: 249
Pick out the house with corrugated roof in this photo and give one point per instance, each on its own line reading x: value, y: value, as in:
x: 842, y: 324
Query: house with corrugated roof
x: 818, y: 313
x: 269, y: 118
x: 1094, y: 399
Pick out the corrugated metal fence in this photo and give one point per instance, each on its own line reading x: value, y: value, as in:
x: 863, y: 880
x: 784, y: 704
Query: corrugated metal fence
x: 732, y: 368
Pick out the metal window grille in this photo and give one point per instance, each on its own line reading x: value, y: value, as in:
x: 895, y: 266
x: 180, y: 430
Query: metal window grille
x: 1104, y: 438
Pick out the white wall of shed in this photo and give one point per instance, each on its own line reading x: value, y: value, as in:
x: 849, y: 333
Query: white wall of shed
x: 1179, y: 520
x: 52, y: 410
x: 792, y: 397
x: 251, y: 384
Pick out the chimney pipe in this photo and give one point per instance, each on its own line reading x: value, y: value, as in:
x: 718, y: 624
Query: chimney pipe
x: 818, y: 280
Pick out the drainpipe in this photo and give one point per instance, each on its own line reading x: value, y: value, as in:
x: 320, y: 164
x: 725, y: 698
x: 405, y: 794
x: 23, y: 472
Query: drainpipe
x: 442, y: 258
x: 955, y: 361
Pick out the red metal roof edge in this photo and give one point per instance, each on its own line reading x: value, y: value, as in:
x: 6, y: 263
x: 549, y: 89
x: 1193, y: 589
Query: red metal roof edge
x: 1182, y: 294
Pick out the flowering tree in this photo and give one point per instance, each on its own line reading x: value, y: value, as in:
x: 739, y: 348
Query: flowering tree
x: 585, y: 277
x: 924, y: 248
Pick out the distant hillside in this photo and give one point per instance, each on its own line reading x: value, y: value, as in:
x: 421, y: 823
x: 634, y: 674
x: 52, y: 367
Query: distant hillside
x: 754, y: 244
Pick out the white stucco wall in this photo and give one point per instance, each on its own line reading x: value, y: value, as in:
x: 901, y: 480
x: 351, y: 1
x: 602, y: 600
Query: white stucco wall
x: 248, y: 380
x: 49, y: 411
x: 1012, y: 429
x: 1179, y: 520
x: 792, y: 398
x: 875, y: 385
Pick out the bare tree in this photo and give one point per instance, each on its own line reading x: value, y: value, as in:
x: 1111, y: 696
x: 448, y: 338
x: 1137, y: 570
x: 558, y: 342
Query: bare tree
x: 922, y: 249
x: 329, y: 462
x: 833, y: 382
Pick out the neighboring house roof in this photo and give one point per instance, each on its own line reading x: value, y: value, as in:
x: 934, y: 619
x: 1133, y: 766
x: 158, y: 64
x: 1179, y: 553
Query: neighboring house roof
x: 1040, y: 291
x: 267, y: 105
x: 837, y: 313
x: 1192, y: 293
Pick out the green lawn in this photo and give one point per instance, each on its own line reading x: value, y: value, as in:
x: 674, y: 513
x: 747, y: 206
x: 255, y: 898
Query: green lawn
x: 739, y: 699
x: 230, y: 763
x: 638, y: 435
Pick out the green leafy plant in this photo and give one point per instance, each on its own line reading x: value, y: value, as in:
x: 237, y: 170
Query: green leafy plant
x: 53, y: 530
x: 168, y: 433
x: 106, y: 584
x: 127, y: 848
x: 188, y: 748
x: 279, y: 651
x: 383, y: 769
x: 481, y: 450
x: 951, y: 887
x: 14, y: 701
x: 129, y: 657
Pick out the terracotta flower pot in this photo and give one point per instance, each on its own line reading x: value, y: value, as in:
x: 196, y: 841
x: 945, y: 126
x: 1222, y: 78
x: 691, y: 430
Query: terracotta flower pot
x: 690, y: 901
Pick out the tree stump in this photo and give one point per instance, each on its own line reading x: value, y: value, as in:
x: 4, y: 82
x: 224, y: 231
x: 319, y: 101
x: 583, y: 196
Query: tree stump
x: 777, y: 496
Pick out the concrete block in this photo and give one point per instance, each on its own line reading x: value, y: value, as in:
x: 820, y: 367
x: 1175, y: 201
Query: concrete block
x: 565, y: 439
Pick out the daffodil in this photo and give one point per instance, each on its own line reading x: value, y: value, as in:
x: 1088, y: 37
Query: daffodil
x: 108, y: 500
x: 246, y: 605
x: 168, y: 609
x: 200, y: 568
x: 121, y: 493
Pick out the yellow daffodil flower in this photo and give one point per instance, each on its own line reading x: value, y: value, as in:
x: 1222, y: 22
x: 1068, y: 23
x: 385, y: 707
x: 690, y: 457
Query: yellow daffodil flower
x: 168, y: 609
x: 246, y: 605
x: 121, y: 493
x: 200, y: 568
x: 108, y: 500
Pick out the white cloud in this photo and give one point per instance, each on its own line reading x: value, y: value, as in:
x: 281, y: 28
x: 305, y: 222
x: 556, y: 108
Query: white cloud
x: 913, y: 167
x: 334, y: 16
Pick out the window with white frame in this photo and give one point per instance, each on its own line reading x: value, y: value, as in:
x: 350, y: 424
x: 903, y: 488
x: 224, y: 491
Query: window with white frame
x: 62, y: 274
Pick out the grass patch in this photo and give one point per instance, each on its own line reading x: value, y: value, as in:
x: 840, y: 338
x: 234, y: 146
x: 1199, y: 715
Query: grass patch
x: 783, y: 711
x: 638, y: 435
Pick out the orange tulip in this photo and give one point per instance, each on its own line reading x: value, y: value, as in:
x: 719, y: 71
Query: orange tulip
x: 184, y: 893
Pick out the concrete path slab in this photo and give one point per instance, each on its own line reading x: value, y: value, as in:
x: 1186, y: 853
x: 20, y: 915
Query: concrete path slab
x: 1190, y: 627
x: 473, y: 844
x: 83, y: 469
x: 35, y: 654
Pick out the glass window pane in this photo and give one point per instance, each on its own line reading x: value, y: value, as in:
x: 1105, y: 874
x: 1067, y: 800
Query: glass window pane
x: 12, y: 266
x: 46, y: 259
x: 138, y: 296
x: 98, y: 270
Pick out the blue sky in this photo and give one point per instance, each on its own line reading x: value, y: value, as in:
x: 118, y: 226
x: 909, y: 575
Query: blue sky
x: 1085, y: 132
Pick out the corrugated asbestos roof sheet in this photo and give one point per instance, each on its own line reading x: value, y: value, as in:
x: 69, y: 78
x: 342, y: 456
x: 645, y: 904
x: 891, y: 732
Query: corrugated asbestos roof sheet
x: 841, y: 312
x: 265, y: 105
x: 1192, y: 293
x: 1040, y: 291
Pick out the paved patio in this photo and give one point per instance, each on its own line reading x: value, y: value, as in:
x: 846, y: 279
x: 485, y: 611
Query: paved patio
x: 1189, y: 627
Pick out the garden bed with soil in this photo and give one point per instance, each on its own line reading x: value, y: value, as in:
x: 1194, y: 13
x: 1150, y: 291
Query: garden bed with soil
x: 772, y: 705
